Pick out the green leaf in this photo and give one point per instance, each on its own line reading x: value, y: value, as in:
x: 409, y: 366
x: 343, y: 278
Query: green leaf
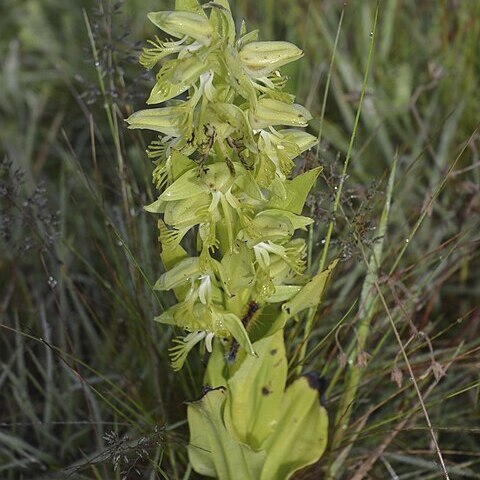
x: 179, y: 164
x: 302, y: 140
x: 239, y: 80
x: 158, y: 206
x: 283, y: 293
x: 311, y: 294
x: 234, y: 325
x: 300, y: 437
x: 217, y: 178
x: 264, y: 171
x: 229, y: 113
x: 278, y: 189
x: 238, y: 269
x: 297, y: 191
x: 256, y: 390
x: 167, y: 317
x: 265, y: 323
x: 215, y: 372
x: 246, y: 37
x: 297, y: 221
x: 269, y: 225
x: 212, y: 451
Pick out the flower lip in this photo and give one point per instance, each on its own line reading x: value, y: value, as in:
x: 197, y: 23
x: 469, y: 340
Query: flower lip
x: 208, y: 341
x: 205, y: 289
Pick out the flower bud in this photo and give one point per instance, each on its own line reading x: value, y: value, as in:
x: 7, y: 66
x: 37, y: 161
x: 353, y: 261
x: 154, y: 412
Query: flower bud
x: 176, y: 76
x: 302, y: 140
x: 183, y: 272
x: 261, y: 58
x: 271, y: 112
x: 181, y: 24
x: 164, y: 120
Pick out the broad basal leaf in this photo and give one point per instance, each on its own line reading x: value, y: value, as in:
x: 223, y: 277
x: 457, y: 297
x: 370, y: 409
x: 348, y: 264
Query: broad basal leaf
x: 256, y: 390
x: 300, y: 437
x: 212, y: 451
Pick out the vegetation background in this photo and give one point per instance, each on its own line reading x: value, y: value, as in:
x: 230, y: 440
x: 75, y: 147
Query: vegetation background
x: 85, y: 387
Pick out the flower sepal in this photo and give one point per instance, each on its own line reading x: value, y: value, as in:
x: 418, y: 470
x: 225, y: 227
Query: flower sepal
x: 259, y: 59
x: 270, y: 112
x: 183, y: 24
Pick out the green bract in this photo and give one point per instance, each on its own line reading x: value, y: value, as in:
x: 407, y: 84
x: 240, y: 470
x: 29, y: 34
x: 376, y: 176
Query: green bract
x: 230, y: 232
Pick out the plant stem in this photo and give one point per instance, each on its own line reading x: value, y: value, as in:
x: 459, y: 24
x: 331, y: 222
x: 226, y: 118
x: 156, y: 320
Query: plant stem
x: 312, y: 311
x: 366, y: 311
x: 319, y: 137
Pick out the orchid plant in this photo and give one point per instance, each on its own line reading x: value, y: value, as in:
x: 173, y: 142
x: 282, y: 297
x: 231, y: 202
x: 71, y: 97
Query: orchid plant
x: 230, y: 216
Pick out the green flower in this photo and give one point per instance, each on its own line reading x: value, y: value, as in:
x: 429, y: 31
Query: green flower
x: 222, y: 170
x: 184, y: 24
x: 259, y: 59
x: 166, y: 120
x: 215, y: 71
x: 176, y: 77
x: 283, y: 146
x: 292, y: 255
x: 210, y: 322
x: 270, y: 112
x: 159, y: 50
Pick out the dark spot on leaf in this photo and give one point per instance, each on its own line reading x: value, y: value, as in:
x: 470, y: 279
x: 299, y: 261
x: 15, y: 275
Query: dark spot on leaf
x: 206, y: 389
x: 266, y: 391
x: 273, y: 351
x: 317, y: 383
x: 313, y: 380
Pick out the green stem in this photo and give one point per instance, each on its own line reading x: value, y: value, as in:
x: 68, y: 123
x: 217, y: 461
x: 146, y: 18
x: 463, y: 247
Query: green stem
x: 366, y: 311
x: 320, y: 129
x: 338, y: 196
